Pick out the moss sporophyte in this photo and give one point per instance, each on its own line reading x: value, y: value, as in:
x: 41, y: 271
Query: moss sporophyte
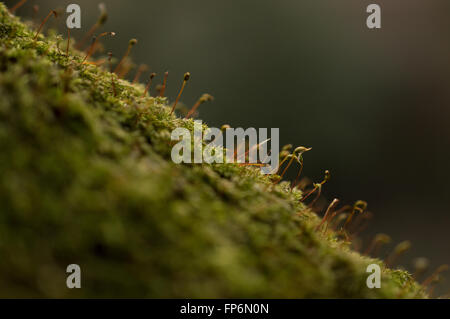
x: 90, y: 175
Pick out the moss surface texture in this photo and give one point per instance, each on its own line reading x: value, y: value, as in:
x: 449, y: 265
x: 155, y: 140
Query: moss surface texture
x: 87, y: 178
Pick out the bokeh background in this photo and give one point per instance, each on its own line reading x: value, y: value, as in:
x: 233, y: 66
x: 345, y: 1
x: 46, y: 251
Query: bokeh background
x: 374, y: 104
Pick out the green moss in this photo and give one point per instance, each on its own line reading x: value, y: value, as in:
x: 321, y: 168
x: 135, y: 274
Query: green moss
x: 86, y: 178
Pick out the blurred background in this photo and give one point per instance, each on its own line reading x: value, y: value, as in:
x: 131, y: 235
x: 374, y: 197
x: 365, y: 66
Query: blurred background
x: 374, y: 104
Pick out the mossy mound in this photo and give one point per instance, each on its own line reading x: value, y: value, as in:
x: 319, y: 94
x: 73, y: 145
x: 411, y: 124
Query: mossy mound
x: 86, y: 178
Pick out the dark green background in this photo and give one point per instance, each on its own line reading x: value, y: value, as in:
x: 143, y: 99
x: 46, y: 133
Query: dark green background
x: 374, y: 105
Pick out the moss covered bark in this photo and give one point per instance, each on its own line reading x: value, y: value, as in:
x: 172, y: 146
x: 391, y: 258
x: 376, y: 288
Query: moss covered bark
x: 86, y: 178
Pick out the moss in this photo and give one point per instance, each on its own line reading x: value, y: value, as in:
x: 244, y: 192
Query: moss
x: 87, y: 179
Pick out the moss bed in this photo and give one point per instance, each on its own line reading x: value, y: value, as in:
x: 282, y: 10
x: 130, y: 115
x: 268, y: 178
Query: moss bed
x: 87, y: 178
